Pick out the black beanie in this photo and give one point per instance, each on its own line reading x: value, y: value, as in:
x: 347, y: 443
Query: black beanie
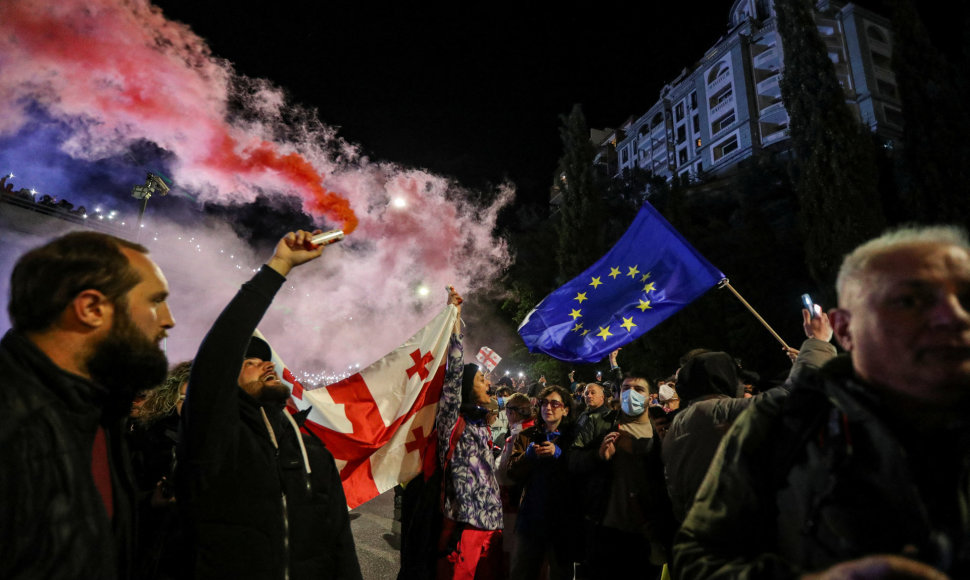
x: 468, y: 382
x: 710, y: 373
x: 258, y: 348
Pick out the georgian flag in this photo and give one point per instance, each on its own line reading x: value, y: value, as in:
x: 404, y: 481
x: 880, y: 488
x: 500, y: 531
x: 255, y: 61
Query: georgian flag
x: 378, y: 423
x: 489, y: 358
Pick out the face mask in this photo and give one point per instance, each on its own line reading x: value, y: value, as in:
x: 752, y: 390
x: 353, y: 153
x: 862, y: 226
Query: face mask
x: 632, y: 403
x: 501, y: 402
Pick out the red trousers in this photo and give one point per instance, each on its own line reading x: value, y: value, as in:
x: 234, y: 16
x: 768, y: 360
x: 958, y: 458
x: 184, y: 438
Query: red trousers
x: 477, y: 555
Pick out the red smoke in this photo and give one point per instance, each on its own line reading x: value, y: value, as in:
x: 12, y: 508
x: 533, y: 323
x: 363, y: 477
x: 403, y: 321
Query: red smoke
x: 118, y: 72
x: 293, y: 168
x: 111, y: 73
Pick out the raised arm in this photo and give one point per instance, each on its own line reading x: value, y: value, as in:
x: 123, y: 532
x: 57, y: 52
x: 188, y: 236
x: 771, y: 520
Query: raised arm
x: 211, y: 411
x: 817, y: 348
x: 451, y: 390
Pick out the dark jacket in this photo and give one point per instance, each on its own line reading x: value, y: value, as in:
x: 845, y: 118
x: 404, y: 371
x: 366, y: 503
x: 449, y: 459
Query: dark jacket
x: 253, y: 510
x: 53, y: 523
x: 546, y: 502
x: 822, y: 476
x: 644, y: 486
x: 708, y: 386
x: 597, y: 416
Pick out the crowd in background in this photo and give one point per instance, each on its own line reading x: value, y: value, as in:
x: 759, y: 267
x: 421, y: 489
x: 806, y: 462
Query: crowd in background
x: 854, y: 465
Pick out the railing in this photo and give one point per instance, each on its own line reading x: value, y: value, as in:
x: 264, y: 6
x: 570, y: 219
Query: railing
x: 14, y: 200
x: 722, y: 107
x: 722, y: 80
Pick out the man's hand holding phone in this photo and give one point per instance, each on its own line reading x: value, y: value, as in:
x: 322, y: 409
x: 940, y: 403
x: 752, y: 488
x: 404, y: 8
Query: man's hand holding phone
x: 814, y: 321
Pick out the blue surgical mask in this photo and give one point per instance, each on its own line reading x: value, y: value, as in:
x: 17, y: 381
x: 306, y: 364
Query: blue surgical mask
x: 632, y: 403
x: 501, y: 402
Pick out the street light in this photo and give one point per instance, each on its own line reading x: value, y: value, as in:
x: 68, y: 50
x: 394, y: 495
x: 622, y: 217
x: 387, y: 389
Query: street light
x: 153, y: 184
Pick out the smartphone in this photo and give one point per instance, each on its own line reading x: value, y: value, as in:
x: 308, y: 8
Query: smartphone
x: 809, y: 305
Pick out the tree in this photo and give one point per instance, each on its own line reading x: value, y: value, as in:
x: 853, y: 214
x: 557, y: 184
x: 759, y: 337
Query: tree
x: 581, y: 240
x: 834, y: 171
x: 935, y: 160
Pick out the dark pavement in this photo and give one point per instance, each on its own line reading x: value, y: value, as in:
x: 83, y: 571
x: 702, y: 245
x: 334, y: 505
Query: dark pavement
x: 373, y: 534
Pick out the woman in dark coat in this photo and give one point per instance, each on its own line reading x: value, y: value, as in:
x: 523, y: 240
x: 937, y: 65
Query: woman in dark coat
x: 543, y: 529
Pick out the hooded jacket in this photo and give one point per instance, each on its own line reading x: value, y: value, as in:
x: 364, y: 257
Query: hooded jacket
x: 258, y: 503
x: 708, y: 386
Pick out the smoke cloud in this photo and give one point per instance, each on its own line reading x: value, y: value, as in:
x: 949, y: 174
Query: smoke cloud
x: 93, y: 80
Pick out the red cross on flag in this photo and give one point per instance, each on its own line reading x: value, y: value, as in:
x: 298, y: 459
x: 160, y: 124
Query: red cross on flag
x: 489, y: 358
x: 378, y: 423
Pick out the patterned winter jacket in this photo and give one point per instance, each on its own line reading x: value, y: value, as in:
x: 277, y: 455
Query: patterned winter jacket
x: 471, y: 490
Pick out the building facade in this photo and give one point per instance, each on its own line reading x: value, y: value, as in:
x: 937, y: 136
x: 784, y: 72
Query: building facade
x: 728, y: 106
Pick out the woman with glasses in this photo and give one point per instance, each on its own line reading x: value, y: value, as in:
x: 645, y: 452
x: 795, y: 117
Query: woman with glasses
x: 543, y: 530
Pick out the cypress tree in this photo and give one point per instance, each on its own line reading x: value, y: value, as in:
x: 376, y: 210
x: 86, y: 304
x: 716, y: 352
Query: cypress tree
x: 580, y: 226
x: 935, y: 158
x: 834, y: 170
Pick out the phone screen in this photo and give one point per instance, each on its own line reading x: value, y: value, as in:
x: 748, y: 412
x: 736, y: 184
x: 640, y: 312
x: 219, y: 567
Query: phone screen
x: 809, y: 305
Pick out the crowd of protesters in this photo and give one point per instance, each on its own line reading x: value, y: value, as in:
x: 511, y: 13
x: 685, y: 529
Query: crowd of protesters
x: 855, y: 466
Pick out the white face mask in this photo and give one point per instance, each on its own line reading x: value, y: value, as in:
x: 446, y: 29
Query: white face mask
x: 632, y: 403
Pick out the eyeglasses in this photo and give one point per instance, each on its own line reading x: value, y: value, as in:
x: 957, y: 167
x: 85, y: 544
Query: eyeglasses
x: 551, y: 403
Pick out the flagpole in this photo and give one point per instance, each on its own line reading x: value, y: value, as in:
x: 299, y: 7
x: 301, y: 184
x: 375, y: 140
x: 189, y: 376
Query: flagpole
x: 727, y: 284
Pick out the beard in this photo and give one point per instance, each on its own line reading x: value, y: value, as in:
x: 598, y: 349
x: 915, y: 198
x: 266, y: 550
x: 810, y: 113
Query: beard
x: 126, y: 362
x: 276, y: 393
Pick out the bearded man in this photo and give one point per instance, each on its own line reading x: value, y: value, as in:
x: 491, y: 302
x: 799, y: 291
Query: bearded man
x: 88, y: 312
x: 260, y: 499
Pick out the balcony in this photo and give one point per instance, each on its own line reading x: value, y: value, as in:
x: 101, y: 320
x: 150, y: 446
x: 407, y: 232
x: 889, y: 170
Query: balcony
x: 769, y: 100
x: 769, y: 86
x: 721, y: 108
x: 773, y: 125
x: 722, y: 80
x: 767, y: 59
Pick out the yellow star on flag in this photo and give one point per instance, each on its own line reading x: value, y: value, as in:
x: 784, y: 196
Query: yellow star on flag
x: 628, y: 323
x: 585, y: 332
x: 649, y: 287
x: 644, y: 305
x: 633, y: 272
x: 577, y: 327
x: 596, y: 282
x: 576, y: 314
x: 580, y: 296
x: 614, y: 272
x: 604, y: 332
x: 644, y: 277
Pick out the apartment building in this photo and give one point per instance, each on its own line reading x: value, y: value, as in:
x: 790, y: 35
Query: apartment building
x: 727, y: 107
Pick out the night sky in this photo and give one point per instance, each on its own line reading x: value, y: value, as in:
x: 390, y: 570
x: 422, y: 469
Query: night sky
x: 470, y: 92
x: 90, y: 99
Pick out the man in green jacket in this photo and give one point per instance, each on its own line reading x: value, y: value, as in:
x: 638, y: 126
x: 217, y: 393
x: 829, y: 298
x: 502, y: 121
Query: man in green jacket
x: 862, y: 472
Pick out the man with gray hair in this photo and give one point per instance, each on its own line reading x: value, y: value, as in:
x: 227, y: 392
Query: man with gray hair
x: 862, y: 472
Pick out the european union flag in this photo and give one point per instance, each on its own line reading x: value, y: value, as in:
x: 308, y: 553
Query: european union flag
x: 650, y: 274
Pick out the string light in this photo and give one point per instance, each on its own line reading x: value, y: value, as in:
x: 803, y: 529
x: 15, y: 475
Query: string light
x: 309, y: 379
